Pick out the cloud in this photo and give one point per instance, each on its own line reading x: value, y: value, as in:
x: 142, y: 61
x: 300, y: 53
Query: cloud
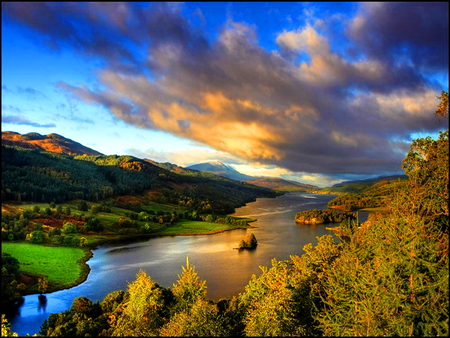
x: 24, y: 121
x: 184, y: 157
x: 326, y: 114
x: 405, y: 32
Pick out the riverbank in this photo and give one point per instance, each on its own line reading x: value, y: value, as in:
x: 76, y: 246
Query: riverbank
x: 30, y: 265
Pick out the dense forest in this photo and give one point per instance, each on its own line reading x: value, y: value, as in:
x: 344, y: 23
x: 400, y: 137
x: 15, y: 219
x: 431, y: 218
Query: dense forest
x: 389, y: 279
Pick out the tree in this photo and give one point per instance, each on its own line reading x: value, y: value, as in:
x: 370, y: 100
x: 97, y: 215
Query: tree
x: 202, y: 319
x: 270, y: 303
x: 82, y: 206
x: 442, y: 109
x: 249, y: 242
x: 141, y: 313
x: 69, y: 228
x: 42, y: 284
x: 189, y: 288
x: 391, y: 277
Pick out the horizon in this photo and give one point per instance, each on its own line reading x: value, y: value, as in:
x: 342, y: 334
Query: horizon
x: 317, y: 93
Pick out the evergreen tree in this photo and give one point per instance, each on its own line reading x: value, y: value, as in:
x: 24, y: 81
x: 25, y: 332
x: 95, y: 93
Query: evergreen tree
x: 189, y: 288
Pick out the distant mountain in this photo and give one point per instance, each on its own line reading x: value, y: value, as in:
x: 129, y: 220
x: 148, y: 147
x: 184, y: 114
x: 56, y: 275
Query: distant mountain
x: 221, y: 169
x: 277, y: 184
x: 52, y: 142
x: 359, y: 185
x: 373, y: 180
x: 282, y: 185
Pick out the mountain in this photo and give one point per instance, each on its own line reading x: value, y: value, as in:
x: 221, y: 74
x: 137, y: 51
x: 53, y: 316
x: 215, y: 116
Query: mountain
x: 221, y: 169
x: 282, y: 185
x: 52, y: 142
x: 277, y: 184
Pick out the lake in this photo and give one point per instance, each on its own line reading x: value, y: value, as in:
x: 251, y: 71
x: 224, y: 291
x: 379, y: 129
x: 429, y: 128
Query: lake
x: 226, y: 271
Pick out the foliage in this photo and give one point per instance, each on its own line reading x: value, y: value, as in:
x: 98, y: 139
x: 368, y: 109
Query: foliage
x: 202, y: 319
x: 270, y: 303
x: 249, y: 242
x: 427, y: 168
x: 10, y: 290
x: 376, y: 195
x: 141, y: 314
x: 189, y: 288
x: 49, y: 177
x: 6, y: 328
x: 316, y: 216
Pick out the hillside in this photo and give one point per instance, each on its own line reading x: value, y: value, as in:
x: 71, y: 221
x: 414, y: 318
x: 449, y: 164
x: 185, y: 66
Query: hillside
x: 281, y: 185
x: 40, y: 176
x: 52, y: 142
x: 375, y: 195
x: 274, y: 183
x: 359, y: 185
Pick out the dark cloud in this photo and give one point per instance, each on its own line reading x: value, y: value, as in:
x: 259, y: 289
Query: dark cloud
x: 326, y: 115
x: 404, y: 32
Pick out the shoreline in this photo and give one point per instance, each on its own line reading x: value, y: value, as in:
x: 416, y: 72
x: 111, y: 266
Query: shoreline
x: 85, y: 268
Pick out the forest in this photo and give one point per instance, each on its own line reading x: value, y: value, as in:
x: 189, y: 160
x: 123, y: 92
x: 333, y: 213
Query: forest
x: 45, y: 177
x: 389, y: 279
x: 316, y: 216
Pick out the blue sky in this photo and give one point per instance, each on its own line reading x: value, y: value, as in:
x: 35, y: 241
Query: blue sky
x: 313, y: 91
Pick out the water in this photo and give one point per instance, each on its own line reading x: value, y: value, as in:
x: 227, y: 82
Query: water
x: 226, y: 271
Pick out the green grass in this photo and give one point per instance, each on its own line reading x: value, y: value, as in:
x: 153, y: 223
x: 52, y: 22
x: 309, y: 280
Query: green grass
x: 59, y: 264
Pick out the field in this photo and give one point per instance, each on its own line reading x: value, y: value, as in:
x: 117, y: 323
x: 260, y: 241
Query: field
x: 61, y: 265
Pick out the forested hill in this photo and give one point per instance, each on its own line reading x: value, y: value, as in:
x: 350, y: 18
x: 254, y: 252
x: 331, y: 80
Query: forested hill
x: 40, y: 176
x: 52, y: 142
x: 359, y: 185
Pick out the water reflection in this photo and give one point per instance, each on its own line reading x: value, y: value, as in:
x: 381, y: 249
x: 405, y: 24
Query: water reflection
x: 42, y: 303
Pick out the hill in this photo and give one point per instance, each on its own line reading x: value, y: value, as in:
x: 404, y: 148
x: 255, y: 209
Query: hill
x: 375, y: 195
x: 52, y: 142
x: 359, y: 185
x: 277, y: 184
x: 281, y: 185
x: 40, y: 176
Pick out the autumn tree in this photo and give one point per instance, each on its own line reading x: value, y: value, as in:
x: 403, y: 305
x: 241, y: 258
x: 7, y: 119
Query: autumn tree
x: 141, y: 312
x: 189, y: 288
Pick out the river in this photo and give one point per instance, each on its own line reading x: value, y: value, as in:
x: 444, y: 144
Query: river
x: 226, y: 271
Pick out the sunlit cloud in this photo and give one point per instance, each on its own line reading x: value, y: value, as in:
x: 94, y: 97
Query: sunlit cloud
x: 306, y: 108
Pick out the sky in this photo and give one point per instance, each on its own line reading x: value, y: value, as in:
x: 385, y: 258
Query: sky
x: 317, y: 92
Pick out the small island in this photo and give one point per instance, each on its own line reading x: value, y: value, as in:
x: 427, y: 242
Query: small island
x: 316, y: 216
x: 249, y: 242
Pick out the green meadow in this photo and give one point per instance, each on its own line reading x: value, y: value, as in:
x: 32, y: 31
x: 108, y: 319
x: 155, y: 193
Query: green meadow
x: 63, y: 266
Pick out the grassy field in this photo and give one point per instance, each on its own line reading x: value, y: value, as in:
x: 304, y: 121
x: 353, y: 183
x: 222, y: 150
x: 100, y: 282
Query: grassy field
x: 61, y: 265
